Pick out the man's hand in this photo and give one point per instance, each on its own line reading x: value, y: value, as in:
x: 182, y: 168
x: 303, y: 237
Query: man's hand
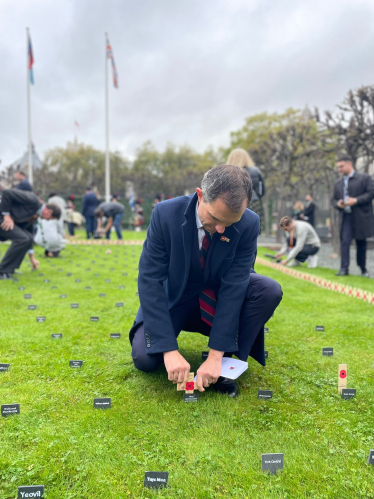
x: 351, y: 202
x: 177, y: 367
x: 340, y: 204
x: 278, y: 255
x: 210, y: 370
x: 283, y: 262
x: 8, y: 223
x: 34, y: 261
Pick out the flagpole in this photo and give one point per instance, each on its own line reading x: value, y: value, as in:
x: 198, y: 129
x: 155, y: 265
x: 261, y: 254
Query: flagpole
x: 28, y: 108
x: 107, y: 160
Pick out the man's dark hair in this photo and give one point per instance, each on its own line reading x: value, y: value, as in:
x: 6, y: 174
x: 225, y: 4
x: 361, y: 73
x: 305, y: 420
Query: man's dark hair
x: 98, y: 212
x: 21, y: 173
x: 285, y: 222
x: 232, y: 184
x: 56, y: 211
x: 344, y: 157
x: 88, y: 188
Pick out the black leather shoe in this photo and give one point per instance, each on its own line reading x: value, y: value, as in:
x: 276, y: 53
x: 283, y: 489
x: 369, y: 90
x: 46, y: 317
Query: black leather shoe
x: 342, y: 272
x: 225, y: 385
x: 365, y: 273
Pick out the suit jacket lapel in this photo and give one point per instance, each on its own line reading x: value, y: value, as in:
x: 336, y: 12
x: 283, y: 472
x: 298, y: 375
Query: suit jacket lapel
x: 187, y: 232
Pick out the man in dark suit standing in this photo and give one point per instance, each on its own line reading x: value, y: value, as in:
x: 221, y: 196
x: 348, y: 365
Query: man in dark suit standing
x: 90, y: 202
x: 353, y: 195
x: 24, y: 184
x: 195, y: 274
x: 18, y: 211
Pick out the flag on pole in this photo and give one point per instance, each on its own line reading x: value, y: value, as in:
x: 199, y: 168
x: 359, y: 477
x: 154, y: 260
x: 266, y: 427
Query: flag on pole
x: 77, y: 124
x: 31, y: 62
x: 109, y: 54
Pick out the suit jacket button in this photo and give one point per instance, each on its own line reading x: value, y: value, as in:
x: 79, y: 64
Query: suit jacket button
x: 148, y: 345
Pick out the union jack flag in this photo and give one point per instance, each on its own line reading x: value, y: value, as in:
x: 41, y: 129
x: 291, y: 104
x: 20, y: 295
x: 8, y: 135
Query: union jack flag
x: 109, y: 54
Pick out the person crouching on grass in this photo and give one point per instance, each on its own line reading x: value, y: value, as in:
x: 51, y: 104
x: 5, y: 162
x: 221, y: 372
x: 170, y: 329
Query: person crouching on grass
x: 302, y: 243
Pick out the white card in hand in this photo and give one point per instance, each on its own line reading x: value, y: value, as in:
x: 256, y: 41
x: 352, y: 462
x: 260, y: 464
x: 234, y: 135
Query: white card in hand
x: 232, y: 368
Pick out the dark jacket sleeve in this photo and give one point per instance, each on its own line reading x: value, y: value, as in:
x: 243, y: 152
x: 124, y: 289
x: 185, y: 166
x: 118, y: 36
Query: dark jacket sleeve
x: 232, y: 292
x: 309, y: 209
x: 368, y: 195
x: 153, y: 272
x: 25, y: 203
x: 336, y: 197
x: 84, y: 206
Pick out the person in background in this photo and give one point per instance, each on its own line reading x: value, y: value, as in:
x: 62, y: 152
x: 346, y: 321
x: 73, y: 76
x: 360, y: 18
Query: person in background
x: 69, y: 215
x: 309, y: 208
x: 302, y: 243
x: 50, y: 236
x: 240, y: 157
x: 353, y: 198
x: 157, y: 200
x: 113, y: 212
x: 298, y: 210
x: 139, y: 216
x: 18, y: 211
x: 90, y: 202
x: 54, y: 198
x: 24, y: 184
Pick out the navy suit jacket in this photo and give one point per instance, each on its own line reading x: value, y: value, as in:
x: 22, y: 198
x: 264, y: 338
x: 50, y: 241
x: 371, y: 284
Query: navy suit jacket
x: 90, y: 202
x: 24, y: 185
x: 164, y: 268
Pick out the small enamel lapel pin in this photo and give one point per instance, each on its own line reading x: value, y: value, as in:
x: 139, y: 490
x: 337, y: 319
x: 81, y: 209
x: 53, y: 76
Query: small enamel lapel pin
x: 223, y: 238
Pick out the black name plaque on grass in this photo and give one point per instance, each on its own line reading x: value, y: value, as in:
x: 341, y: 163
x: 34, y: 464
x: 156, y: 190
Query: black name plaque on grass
x: 348, y: 393
x: 4, y: 367
x: 102, y: 403
x: 156, y: 479
x: 266, y: 329
x: 102, y: 295
x: 56, y: 336
x: 40, y: 319
x: 191, y: 397
x: 74, y: 305
x: 116, y: 336
x: 75, y: 363
x: 371, y: 457
x: 120, y: 304
x: 28, y: 491
x: 94, y: 319
x: 266, y: 354
x: 327, y: 352
x: 32, y: 307
x: 272, y: 462
x: 9, y: 409
x: 264, y: 394
x: 63, y: 296
x: 319, y: 328
x: 22, y: 288
x: 78, y: 280
x: 27, y: 296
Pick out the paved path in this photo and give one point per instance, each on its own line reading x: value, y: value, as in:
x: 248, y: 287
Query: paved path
x: 324, y: 259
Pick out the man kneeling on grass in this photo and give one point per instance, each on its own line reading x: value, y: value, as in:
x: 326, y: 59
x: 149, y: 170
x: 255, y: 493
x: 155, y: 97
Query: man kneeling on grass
x: 195, y: 274
x: 301, y: 244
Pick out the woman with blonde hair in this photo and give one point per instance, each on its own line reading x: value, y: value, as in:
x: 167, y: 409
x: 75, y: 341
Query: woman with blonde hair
x: 240, y: 157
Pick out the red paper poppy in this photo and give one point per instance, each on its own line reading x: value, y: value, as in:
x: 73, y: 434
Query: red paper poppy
x: 190, y: 385
x: 343, y: 373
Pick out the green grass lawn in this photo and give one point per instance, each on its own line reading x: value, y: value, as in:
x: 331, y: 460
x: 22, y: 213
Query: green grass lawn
x: 211, y: 449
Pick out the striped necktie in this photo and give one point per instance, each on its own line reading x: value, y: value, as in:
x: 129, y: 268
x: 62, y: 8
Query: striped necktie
x: 207, y: 297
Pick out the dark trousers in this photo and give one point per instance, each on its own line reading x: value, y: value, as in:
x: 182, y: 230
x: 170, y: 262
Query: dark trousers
x: 91, y: 225
x: 346, y: 236
x: 22, y: 241
x: 262, y: 298
x: 71, y: 227
x: 117, y: 220
x: 307, y: 250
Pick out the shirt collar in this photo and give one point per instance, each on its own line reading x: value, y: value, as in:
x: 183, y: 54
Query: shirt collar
x: 350, y: 175
x: 199, y: 225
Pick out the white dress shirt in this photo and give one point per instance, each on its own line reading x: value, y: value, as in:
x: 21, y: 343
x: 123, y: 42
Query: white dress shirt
x: 200, y: 228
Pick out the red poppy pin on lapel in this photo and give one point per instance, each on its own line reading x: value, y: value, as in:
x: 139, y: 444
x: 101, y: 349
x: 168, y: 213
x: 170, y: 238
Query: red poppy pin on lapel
x: 223, y: 238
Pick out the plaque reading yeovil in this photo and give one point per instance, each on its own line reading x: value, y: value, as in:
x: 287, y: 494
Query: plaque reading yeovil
x: 102, y: 403
x: 272, y: 462
x: 156, y: 479
x: 75, y: 363
x: 28, y: 491
x: 9, y: 409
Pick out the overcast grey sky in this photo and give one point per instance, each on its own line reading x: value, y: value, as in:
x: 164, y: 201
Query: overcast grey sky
x: 189, y: 71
